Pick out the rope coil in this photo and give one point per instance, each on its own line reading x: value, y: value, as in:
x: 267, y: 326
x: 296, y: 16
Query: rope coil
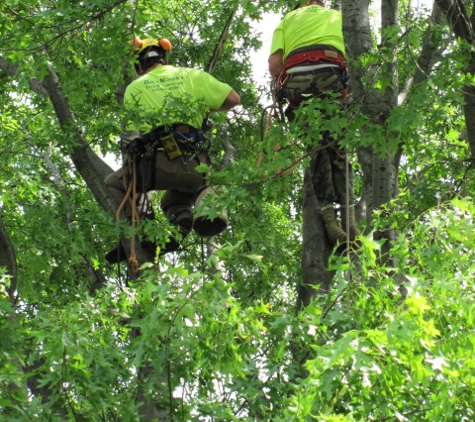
x: 131, y: 196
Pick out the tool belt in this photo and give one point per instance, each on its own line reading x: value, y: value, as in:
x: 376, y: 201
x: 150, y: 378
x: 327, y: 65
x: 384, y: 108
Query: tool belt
x: 175, y: 141
x: 305, y: 68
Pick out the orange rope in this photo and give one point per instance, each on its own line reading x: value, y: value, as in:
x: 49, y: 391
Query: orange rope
x: 131, y: 196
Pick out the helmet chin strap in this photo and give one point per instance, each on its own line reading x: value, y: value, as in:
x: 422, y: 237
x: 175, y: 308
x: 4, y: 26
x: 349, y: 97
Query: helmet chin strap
x: 140, y: 71
x: 138, y: 68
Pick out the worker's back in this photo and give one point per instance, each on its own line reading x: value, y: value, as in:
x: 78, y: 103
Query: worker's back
x: 308, y: 26
x: 169, y: 94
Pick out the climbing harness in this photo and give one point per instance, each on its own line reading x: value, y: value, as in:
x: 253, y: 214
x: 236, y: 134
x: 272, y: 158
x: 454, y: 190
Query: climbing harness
x: 312, y: 60
x: 177, y: 140
x: 299, y: 76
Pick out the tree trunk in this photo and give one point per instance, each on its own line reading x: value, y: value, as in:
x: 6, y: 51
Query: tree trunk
x: 463, y: 26
x: 315, y: 249
x: 379, y: 169
x: 8, y: 260
x: 45, y: 391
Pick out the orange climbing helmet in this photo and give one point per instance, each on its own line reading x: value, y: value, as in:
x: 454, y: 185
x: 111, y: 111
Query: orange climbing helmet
x: 142, y: 45
x: 149, y: 51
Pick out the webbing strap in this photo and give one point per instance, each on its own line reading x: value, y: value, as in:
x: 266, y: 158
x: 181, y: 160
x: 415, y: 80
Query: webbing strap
x: 312, y: 56
x: 315, y: 56
x: 192, y: 140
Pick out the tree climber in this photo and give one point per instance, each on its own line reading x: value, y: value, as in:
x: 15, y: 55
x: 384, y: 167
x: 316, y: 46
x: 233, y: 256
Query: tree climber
x: 307, y: 57
x: 166, y: 107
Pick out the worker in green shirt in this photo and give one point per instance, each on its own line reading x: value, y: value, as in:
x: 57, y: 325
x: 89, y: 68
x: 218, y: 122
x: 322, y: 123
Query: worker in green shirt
x: 166, y: 107
x: 308, y: 57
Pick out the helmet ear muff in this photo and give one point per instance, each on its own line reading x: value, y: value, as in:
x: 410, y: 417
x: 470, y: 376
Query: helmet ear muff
x: 165, y: 44
x: 137, y: 43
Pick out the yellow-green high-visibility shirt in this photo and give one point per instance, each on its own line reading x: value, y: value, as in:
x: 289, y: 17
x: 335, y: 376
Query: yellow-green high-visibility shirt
x: 307, y: 26
x: 192, y: 92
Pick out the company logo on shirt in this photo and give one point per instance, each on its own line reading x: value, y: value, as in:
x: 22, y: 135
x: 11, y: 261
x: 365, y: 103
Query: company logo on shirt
x: 163, y: 83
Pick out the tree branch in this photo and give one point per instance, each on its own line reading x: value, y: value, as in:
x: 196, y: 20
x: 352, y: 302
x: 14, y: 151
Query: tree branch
x: 218, y: 49
x: 11, y: 70
x: 430, y: 52
x: 86, y: 162
x: 457, y: 15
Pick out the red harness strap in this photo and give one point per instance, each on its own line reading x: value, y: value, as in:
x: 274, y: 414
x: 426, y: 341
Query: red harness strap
x: 313, y: 56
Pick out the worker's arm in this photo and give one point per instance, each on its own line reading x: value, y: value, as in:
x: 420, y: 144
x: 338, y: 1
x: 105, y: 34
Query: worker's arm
x: 233, y: 99
x: 276, y: 63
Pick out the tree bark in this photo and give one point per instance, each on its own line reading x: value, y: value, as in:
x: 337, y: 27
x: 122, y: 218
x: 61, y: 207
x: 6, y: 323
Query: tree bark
x: 384, y: 172
x: 463, y: 26
x: 315, y: 249
x: 11, y: 70
x: 365, y: 204
x: 379, y: 166
x: 389, y: 19
x: 359, y: 41
x: 8, y: 260
x: 45, y: 392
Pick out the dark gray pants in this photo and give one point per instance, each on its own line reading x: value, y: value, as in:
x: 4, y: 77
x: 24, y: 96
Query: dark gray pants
x: 328, y: 165
x: 177, y: 177
x: 329, y: 173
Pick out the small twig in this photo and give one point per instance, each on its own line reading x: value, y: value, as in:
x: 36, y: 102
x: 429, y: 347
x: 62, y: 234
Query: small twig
x: 333, y: 303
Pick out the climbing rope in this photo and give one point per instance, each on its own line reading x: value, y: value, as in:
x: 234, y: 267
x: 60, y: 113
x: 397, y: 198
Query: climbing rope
x: 131, y: 197
x: 347, y: 216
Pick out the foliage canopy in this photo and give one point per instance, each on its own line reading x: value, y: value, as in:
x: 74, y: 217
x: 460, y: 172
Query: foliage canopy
x: 246, y: 326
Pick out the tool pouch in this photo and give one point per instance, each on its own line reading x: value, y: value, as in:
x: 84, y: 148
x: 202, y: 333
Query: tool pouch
x: 171, y: 146
x: 146, y: 176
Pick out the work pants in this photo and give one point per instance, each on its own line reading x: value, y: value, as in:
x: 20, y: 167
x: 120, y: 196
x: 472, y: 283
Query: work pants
x: 178, y: 177
x: 328, y: 166
x: 329, y: 173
